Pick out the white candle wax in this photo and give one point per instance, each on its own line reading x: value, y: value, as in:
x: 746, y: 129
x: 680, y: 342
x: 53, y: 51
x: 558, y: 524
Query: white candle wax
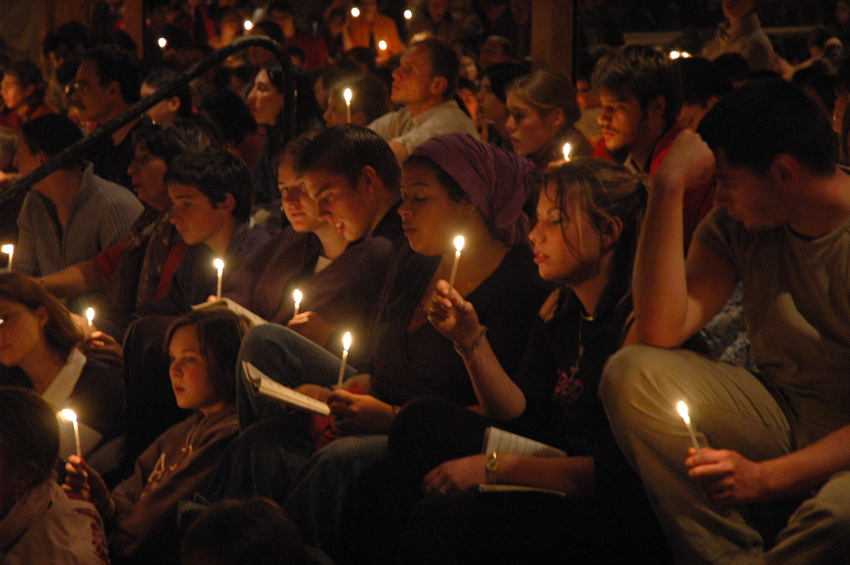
x: 459, y: 241
x: 683, y: 412
x: 71, y: 416
x: 9, y: 250
x: 346, y: 345
x: 219, y: 265
x: 296, y: 296
x: 347, y: 95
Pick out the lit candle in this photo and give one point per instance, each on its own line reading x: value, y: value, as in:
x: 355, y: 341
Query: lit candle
x: 90, y: 316
x: 355, y: 12
x: 346, y: 345
x: 675, y: 54
x: 459, y: 241
x: 162, y: 42
x: 71, y: 416
x: 248, y: 25
x: 347, y: 95
x: 408, y: 14
x: 9, y: 250
x: 297, y: 297
x: 219, y: 264
x: 382, y: 45
x: 683, y: 412
x: 567, y: 149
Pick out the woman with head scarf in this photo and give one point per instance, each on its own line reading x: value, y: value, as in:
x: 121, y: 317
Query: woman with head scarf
x: 452, y: 185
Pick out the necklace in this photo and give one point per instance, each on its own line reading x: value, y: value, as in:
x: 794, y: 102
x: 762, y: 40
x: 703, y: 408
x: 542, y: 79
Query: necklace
x: 580, y: 349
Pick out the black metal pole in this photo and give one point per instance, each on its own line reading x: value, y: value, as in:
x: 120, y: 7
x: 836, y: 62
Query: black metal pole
x: 78, y: 149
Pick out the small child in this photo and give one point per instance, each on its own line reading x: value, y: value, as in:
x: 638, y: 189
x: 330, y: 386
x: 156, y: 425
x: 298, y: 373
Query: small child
x: 142, y: 510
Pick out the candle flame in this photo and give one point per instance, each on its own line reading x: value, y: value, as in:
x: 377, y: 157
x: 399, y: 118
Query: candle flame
x: 90, y: 315
x: 675, y: 55
x: 347, y: 95
x: 408, y: 14
x: 355, y: 12
x: 8, y: 249
x: 683, y: 411
x: 459, y: 241
x: 219, y: 264
x: 297, y: 296
x: 248, y: 25
x: 382, y: 45
x: 68, y: 414
x: 346, y: 341
x: 567, y: 149
x: 162, y: 42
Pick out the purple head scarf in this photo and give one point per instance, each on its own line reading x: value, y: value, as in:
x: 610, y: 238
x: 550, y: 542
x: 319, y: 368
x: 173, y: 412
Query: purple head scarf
x: 497, y: 182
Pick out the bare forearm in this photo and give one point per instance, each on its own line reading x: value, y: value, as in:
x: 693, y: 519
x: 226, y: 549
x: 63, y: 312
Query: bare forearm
x: 659, y: 283
x: 809, y: 467
x: 571, y: 475
x: 74, y: 280
x: 500, y: 398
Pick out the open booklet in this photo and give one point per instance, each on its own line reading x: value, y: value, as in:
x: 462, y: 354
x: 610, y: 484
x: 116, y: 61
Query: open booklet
x: 269, y: 388
x: 501, y: 441
x: 233, y: 306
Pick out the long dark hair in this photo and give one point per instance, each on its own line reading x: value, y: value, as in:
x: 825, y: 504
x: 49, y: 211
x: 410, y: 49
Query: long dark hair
x: 61, y: 333
x: 602, y: 190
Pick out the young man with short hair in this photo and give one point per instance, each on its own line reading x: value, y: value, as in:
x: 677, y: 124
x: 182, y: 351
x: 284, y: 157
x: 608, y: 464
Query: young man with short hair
x: 424, y: 84
x: 782, y: 227
x: 640, y: 94
x: 355, y: 179
x: 72, y: 214
x: 107, y: 84
x: 211, y: 194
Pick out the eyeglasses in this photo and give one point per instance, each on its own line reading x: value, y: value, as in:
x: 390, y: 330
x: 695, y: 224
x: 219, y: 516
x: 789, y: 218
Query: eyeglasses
x: 80, y: 87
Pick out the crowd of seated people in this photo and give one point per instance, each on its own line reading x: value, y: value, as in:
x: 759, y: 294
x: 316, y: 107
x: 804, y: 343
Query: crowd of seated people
x: 694, y: 251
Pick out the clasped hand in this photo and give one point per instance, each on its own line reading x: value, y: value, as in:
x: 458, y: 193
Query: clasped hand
x: 726, y: 476
x: 453, y: 316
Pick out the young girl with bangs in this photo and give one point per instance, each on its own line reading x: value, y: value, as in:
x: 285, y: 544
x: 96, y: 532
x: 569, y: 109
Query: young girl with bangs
x: 588, y: 218
x: 141, y: 512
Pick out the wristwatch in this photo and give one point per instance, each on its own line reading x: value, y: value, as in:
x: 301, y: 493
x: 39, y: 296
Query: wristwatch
x: 492, y: 468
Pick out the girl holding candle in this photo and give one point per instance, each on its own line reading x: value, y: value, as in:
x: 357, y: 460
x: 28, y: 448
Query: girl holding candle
x: 38, y: 350
x: 142, y: 510
x: 543, y: 111
x: 452, y: 184
x: 588, y: 217
x: 39, y: 525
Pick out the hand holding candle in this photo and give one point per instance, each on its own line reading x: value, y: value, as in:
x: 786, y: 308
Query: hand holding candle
x: 459, y: 241
x: 347, y: 95
x: 346, y: 345
x: 219, y: 265
x: 71, y: 416
x: 296, y: 296
x: 683, y: 412
x: 9, y: 250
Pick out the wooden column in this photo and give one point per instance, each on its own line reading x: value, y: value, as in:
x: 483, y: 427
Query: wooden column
x: 552, y: 37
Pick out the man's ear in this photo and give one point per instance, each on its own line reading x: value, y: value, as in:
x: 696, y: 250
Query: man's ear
x: 438, y: 86
x: 369, y: 179
x: 785, y: 169
x: 228, y: 204
x: 174, y: 103
x: 114, y: 89
x: 655, y: 108
x: 557, y: 118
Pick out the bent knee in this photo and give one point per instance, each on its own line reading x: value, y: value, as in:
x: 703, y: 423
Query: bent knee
x: 625, y: 370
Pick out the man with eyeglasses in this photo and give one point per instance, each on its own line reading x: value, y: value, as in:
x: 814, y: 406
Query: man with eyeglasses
x: 107, y: 84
